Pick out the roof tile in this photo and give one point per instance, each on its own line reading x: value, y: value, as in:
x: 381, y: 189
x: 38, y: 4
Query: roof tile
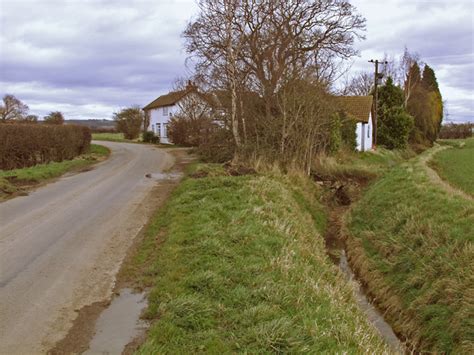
x: 358, y: 107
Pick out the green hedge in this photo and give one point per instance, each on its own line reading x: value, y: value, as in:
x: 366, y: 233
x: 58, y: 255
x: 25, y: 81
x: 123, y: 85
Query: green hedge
x: 24, y: 145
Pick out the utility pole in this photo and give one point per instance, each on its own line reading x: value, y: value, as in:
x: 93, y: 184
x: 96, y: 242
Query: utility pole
x: 377, y: 76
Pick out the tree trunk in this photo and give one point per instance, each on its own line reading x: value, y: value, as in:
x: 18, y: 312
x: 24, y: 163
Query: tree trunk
x: 231, y: 72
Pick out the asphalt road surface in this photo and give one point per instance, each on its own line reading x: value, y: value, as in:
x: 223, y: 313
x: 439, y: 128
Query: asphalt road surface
x: 61, y: 246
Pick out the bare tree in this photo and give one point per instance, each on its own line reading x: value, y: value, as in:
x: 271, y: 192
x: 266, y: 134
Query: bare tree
x: 307, y: 113
x: 129, y: 121
x: 360, y: 85
x: 12, y: 109
x: 291, y: 39
x: 256, y: 50
x: 213, y: 38
x: 409, y: 62
x: 55, y: 117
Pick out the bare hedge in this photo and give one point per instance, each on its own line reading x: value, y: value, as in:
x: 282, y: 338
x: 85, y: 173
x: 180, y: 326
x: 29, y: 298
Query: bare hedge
x: 24, y: 145
x: 456, y: 131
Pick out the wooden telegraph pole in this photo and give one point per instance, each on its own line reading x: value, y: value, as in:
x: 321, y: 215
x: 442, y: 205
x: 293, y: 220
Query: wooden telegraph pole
x: 377, y: 76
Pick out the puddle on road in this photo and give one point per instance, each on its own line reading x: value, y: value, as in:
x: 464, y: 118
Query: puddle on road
x: 373, y: 315
x: 119, y: 324
x: 165, y: 176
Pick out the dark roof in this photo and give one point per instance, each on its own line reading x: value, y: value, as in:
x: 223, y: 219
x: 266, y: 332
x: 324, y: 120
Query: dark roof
x: 168, y: 99
x: 359, y: 107
x: 174, y: 96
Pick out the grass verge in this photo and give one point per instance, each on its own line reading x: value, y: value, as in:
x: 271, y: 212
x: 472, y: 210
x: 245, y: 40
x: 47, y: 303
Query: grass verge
x: 412, y: 243
x: 16, y: 181
x: 456, y: 165
x: 237, y: 264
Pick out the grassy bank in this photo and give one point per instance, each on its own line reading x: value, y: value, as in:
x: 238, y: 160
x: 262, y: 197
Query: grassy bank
x: 456, y: 165
x: 16, y: 181
x: 237, y: 264
x: 366, y: 165
x: 412, y: 243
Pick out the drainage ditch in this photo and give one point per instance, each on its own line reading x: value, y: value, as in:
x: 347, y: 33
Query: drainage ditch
x: 340, y: 197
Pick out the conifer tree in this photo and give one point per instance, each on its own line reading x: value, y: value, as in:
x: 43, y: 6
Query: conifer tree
x: 425, y: 105
x: 395, y: 124
x: 434, y: 100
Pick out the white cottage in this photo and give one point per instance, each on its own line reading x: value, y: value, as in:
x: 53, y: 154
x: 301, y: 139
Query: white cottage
x: 360, y: 108
x: 161, y: 110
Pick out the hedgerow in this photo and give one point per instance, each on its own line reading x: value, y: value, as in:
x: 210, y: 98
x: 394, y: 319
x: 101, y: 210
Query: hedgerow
x: 24, y: 145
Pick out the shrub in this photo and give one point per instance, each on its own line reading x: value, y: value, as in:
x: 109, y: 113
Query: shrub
x: 343, y: 133
x: 149, y: 137
x: 129, y: 122
x: 186, y: 132
x: 190, y: 132
x: 348, y: 132
x: 335, y: 137
x: 24, y: 145
x: 395, y: 128
x: 218, y: 147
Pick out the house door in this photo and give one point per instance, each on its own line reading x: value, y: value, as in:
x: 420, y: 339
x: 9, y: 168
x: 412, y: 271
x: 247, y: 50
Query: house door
x: 362, y: 146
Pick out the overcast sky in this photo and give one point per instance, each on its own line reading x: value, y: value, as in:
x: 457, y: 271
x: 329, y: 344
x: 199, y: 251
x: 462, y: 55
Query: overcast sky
x: 89, y: 58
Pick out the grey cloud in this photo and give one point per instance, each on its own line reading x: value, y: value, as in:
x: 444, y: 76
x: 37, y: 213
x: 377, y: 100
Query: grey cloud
x: 93, y: 57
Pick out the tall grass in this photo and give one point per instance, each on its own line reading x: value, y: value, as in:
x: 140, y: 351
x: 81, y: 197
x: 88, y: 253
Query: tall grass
x: 359, y: 165
x: 413, y: 245
x: 237, y: 264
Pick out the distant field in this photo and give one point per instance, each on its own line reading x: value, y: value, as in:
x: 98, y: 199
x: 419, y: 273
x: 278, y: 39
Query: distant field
x: 456, y: 165
x: 412, y: 243
x: 13, y: 181
x: 111, y: 137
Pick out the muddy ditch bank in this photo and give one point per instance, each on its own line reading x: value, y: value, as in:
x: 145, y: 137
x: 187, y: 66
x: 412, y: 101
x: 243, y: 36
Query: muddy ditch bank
x: 341, y: 193
x: 115, y: 325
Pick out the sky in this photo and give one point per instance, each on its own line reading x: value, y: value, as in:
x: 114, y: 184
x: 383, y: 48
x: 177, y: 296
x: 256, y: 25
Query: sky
x: 90, y: 58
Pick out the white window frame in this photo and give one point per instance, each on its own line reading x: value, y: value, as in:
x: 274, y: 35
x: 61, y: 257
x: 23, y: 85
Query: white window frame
x: 158, y: 130
x: 165, y: 130
x: 165, y: 111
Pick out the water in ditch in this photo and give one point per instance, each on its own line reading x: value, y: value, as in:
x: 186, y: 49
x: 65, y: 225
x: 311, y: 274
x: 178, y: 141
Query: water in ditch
x: 373, y: 315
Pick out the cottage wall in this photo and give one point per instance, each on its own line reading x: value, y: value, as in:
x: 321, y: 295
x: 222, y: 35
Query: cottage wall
x: 159, y: 120
x: 364, y: 135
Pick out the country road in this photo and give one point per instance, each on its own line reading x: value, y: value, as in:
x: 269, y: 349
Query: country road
x: 61, y: 246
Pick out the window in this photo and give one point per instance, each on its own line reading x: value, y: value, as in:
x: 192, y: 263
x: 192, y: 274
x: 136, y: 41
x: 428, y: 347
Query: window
x: 368, y: 131
x: 165, y: 130
x: 153, y: 127
x: 165, y: 111
x: 158, y: 130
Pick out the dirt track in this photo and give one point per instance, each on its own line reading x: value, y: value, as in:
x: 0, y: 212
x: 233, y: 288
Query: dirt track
x: 61, y: 246
x: 435, y: 178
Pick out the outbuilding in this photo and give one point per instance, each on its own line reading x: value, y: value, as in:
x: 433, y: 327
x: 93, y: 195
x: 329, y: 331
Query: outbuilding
x: 360, y: 108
